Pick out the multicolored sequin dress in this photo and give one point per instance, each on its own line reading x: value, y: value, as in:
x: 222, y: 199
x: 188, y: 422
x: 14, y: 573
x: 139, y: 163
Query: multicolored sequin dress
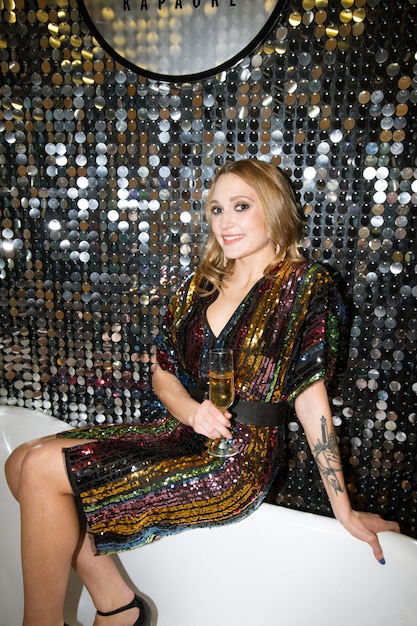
x: 135, y: 483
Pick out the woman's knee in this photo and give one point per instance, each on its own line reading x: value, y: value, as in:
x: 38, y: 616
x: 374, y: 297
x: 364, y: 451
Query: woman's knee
x: 13, y: 467
x: 26, y: 460
x: 43, y: 464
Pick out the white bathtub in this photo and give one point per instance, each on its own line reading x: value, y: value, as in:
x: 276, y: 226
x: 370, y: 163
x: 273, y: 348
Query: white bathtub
x: 278, y: 567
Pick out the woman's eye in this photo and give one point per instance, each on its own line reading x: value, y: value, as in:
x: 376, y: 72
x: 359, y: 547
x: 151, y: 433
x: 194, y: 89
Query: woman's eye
x: 216, y: 210
x: 242, y: 207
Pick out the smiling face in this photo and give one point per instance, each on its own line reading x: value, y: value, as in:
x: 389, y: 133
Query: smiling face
x: 237, y: 220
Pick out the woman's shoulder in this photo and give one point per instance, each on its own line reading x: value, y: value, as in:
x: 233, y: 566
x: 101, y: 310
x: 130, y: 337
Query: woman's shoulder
x: 186, y: 283
x: 308, y: 269
x: 191, y: 287
x: 194, y: 282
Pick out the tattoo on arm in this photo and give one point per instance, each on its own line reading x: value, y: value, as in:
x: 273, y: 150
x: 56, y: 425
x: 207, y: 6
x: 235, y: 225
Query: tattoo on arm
x: 327, y: 458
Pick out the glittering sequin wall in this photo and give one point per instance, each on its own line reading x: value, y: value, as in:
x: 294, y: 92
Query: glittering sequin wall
x: 102, y: 178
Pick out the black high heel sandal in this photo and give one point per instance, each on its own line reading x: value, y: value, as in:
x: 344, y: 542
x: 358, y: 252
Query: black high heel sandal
x: 145, y: 616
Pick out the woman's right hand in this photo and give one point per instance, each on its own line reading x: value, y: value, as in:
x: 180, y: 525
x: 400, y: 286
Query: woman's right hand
x: 209, y: 421
x: 204, y: 418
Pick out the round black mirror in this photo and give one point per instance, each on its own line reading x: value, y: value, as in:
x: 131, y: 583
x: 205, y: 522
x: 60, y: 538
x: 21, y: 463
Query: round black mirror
x: 180, y: 40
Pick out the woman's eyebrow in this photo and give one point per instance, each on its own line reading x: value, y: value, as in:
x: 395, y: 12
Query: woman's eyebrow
x: 233, y: 199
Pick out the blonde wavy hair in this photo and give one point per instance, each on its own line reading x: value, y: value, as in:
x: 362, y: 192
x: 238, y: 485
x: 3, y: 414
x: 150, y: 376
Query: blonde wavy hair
x: 283, y: 219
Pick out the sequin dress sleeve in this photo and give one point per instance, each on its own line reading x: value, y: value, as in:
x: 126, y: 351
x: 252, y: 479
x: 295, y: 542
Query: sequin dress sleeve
x: 135, y: 483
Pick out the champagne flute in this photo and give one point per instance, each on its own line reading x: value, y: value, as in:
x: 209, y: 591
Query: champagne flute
x: 221, y: 394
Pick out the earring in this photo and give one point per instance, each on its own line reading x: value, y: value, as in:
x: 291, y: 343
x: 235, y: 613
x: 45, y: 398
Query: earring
x: 224, y: 260
x: 277, y: 249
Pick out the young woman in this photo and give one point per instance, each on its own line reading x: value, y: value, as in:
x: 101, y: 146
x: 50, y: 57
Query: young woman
x: 98, y: 490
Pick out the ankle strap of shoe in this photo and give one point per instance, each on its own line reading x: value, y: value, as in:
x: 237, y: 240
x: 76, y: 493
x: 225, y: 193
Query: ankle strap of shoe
x: 132, y: 605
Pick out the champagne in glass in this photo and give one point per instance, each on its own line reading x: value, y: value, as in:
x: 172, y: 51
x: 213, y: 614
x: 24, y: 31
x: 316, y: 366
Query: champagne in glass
x: 222, y: 389
x: 221, y: 394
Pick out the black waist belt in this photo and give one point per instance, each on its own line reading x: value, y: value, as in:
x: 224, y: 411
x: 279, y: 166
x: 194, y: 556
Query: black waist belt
x: 249, y: 412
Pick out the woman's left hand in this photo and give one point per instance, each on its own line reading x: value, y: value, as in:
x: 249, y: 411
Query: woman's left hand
x: 365, y: 526
x: 314, y: 412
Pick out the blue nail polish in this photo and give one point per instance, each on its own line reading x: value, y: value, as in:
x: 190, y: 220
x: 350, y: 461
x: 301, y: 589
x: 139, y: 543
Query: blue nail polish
x: 382, y: 561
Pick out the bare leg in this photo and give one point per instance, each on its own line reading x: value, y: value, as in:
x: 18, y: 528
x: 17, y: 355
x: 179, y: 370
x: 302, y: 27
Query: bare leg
x: 105, y: 585
x: 50, y: 534
x: 52, y: 540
